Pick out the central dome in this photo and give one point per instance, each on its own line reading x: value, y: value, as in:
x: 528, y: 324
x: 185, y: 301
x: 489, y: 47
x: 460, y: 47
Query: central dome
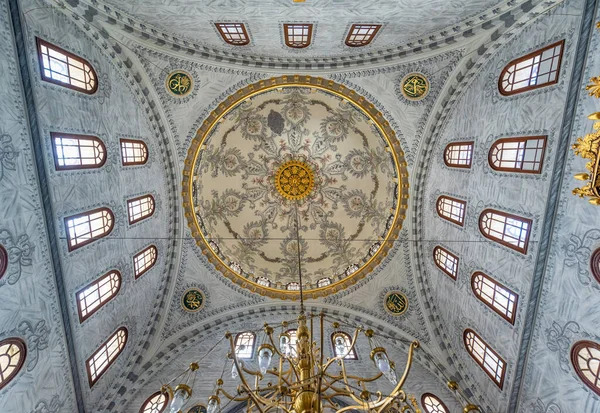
x: 287, y: 151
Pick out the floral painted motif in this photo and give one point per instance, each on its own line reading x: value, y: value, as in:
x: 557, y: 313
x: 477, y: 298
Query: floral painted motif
x: 20, y: 251
x: 8, y: 155
x: 36, y: 337
x: 559, y: 340
x: 579, y: 251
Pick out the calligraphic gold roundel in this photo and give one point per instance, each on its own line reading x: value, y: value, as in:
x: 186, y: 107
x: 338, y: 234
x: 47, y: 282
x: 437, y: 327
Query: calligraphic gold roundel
x: 395, y: 303
x: 415, y: 86
x: 295, y: 149
x: 179, y: 83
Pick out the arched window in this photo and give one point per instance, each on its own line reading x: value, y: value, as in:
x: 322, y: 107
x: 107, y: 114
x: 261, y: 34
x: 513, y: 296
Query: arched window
x: 495, y: 295
x: 361, y: 34
x: 233, y: 33
x: 323, y: 282
x: 145, y: 260
x: 585, y: 356
x: 264, y: 281
x: 523, y: 155
x: 93, y: 296
x: 446, y: 261
x: 293, y: 335
x: 458, y: 154
x: 293, y: 286
x: 140, y: 208
x: 12, y: 357
x: 156, y: 403
x: 485, y: 356
x: 451, y: 209
x: 65, y: 69
x: 298, y: 36
x: 77, y: 151
x: 106, y: 355
x: 342, y: 344
x: 3, y: 261
x: 507, y: 229
x: 244, y: 345
x: 538, y: 69
x: 432, y: 404
x: 88, y: 226
x: 133, y: 152
x: 594, y: 264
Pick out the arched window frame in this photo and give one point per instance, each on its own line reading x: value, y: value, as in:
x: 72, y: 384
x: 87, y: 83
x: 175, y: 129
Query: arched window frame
x: 129, y: 152
x: 72, y: 228
x: 3, y: 261
x: 508, y: 311
x: 489, y: 357
x: 234, y: 34
x: 16, y: 367
x: 112, y: 277
x: 136, y: 211
x: 522, y: 151
x: 348, y: 342
x: 323, y: 282
x: 464, y: 157
x: 440, y: 408
x: 448, y: 257
x: 521, y: 240
x: 119, y: 338
x: 553, y: 58
x: 297, y: 35
x: 146, y: 408
x: 264, y: 281
x: 456, y: 212
x: 576, y: 351
x: 41, y: 44
x: 97, y: 147
x: 355, y: 38
x: 594, y: 264
x: 243, y: 339
x: 141, y: 269
x: 293, y: 334
x: 293, y: 286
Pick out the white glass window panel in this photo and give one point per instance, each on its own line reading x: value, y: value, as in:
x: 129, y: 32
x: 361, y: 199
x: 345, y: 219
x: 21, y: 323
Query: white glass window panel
x: 10, y: 358
x: 140, y: 208
x: 453, y: 210
x: 244, y: 345
x: 432, y: 404
x: 81, y: 229
x: 495, y: 296
x: 588, y: 361
x: 486, y: 357
x: 263, y: 281
x: 459, y: 154
x: 537, y: 70
x: 59, y: 66
x: 98, y: 293
x: 144, y: 260
x: 349, y: 352
x: 155, y: 404
x: 72, y: 151
x: 293, y: 286
x: 133, y: 152
x: 446, y: 261
x: 105, y: 355
x: 323, y: 282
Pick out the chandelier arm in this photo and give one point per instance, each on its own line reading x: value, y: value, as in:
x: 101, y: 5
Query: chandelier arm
x: 254, y: 397
x: 230, y: 397
x: 347, y: 385
x: 282, y: 356
x: 366, y: 379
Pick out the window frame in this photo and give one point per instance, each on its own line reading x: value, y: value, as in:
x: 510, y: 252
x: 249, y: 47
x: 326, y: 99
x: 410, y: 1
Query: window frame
x: 142, y: 217
x: 110, y: 362
x: 352, y: 353
x: 453, y: 276
x: 54, y: 135
x: 235, y: 345
x: 153, y: 395
x: 575, y: 349
x: 459, y: 143
x: 145, y: 270
x: 490, y: 305
x: 39, y: 43
x: 594, y: 264
x: 286, y: 35
x: 500, y: 241
x: 219, y: 27
x: 518, y: 139
x: 20, y: 343
x: 518, y: 60
x: 3, y: 260
x: 134, y: 163
x: 439, y: 201
x: 348, y: 42
x: 433, y: 396
x: 292, y: 289
x: 481, y: 364
x: 91, y: 239
x: 97, y: 281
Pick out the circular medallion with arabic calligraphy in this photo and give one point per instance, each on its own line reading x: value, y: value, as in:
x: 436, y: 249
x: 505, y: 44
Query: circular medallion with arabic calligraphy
x: 414, y: 86
x: 395, y: 303
x: 179, y: 83
x: 192, y: 300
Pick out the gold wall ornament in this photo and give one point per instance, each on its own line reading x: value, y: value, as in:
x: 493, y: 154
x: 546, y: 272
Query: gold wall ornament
x: 395, y: 303
x: 588, y: 147
x: 294, y: 180
x: 179, y: 83
x: 594, y: 87
x: 414, y: 86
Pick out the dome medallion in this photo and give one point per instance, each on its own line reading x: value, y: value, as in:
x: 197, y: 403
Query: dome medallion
x: 287, y: 149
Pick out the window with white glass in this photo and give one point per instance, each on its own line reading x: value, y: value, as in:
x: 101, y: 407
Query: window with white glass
x: 93, y: 296
x: 106, y: 355
x: 87, y: 227
x: 485, y: 356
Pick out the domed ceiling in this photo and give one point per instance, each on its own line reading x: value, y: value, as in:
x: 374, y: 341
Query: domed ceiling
x: 284, y: 162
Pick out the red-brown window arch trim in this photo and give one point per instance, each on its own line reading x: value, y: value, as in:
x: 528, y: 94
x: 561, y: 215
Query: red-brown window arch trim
x: 574, y: 354
x: 110, y: 362
x: 23, y: 349
x: 49, y: 45
x: 435, y: 397
x: 518, y: 139
x: 245, y: 42
x: 449, y: 274
x: 286, y: 29
x: 502, y: 242
x: 352, y: 353
x: 594, y: 264
x: 148, y: 268
x: 529, y: 56
x: 89, y: 241
x: 349, y: 42
x: 151, y: 397
x: 97, y: 281
x: 144, y: 216
x: 484, y: 275
x: 75, y: 136
x: 125, y: 163
x: 3, y: 260
x: 454, y: 221
x: 491, y: 350
x: 459, y: 143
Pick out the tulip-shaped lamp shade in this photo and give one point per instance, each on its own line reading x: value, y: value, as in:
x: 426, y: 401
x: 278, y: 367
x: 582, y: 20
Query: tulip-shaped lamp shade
x: 180, y: 397
x: 213, y: 404
x: 284, y: 344
x: 380, y: 358
x: 265, y: 355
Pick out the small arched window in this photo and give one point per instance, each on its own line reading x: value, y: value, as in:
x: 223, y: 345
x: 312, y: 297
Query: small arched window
x: 77, y: 151
x: 233, y: 33
x: 298, y: 36
x: 458, y: 154
x: 446, y: 261
x: 495, y: 295
x: 451, y: 209
x: 88, y: 226
x: 485, y: 356
x: 323, y: 282
x: 93, y: 296
x: 361, y: 34
x: 523, y: 155
x: 585, y: 357
x: 133, y: 152
x: 293, y: 335
x: 3, y: 261
x: 244, y: 345
x: 66, y: 69
x: 293, y: 286
x: 106, y: 355
x: 156, y: 403
x: 144, y: 260
x: 140, y: 208
x: 264, y: 281
x: 507, y: 229
x: 432, y: 404
x: 342, y: 346
x: 594, y: 264
x: 12, y: 357
x: 538, y: 69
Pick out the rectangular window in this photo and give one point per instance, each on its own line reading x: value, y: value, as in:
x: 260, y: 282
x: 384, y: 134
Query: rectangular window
x: 361, y: 34
x: 451, y: 209
x: 233, y: 33
x: 459, y: 155
x: 507, y: 229
x: 499, y: 298
x: 298, y: 35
